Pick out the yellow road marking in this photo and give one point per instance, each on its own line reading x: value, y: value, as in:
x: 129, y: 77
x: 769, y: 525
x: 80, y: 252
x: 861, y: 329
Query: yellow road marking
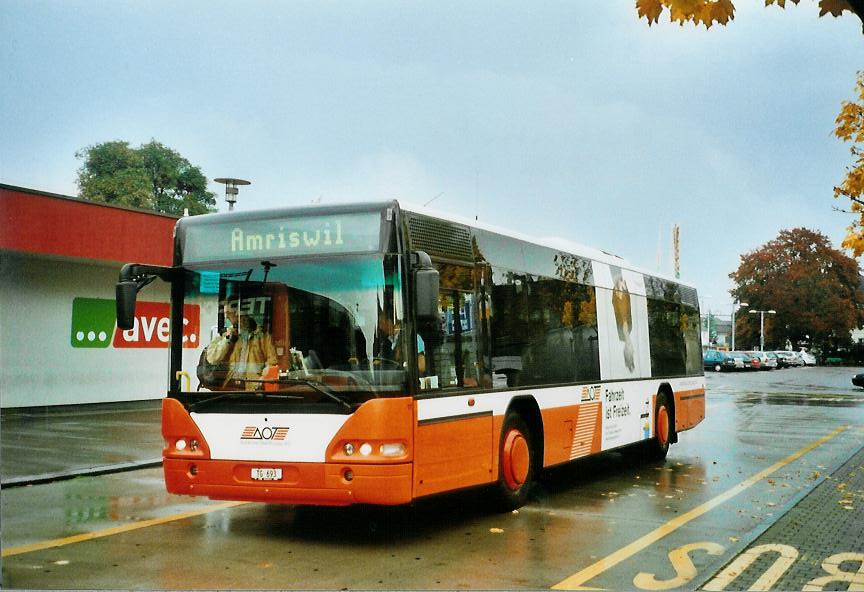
x: 89, y: 536
x: 576, y: 581
x: 681, y: 563
x: 788, y: 555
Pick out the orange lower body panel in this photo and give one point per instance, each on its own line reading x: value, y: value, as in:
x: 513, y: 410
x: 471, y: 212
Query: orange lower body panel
x: 689, y: 409
x: 321, y: 484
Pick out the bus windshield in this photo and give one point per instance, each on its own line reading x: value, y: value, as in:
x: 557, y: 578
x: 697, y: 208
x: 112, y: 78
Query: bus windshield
x: 301, y: 331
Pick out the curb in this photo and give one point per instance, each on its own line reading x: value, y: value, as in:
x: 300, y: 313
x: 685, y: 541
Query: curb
x: 72, y: 474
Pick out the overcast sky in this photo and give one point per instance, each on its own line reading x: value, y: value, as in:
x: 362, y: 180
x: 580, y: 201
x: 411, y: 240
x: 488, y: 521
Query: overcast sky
x: 570, y: 119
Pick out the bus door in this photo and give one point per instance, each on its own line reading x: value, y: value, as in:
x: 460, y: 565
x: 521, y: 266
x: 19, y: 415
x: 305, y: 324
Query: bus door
x: 453, y: 444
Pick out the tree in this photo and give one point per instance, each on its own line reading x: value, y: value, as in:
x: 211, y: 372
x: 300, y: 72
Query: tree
x: 151, y: 176
x: 708, y: 12
x: 815, y: 289
x: 850, y: 128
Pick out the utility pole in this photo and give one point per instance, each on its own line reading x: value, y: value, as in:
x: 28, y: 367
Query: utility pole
x: 762, y: 314
x: 735, y: 307
x: 676, y: 249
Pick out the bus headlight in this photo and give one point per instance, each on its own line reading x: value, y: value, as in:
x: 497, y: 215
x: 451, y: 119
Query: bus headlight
x: 180, y: 444
x: 366, y: 449
x: 348, y: 449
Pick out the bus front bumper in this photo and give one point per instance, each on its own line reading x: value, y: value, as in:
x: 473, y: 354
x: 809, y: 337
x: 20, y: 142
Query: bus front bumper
x: 324, y: 484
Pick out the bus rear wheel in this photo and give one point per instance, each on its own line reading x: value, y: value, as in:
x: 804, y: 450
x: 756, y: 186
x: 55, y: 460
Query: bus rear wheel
x: 658, y: 448
x: 516, y: 463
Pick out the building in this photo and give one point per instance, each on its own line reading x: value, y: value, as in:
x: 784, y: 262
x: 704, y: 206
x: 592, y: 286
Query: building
x: 59, y: 261
x: 720, y: 333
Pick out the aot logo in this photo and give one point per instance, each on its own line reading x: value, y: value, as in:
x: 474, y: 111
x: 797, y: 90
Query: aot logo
x: 265, y: 433
x: 590, y: 393
x: 94, y: 322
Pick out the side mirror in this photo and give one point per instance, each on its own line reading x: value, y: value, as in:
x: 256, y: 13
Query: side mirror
x: 426, y: 295
x: 126, y: 294
x: 425, y: 289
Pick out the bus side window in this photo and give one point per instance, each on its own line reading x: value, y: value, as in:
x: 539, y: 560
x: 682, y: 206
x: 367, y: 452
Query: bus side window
x: 451, y: 360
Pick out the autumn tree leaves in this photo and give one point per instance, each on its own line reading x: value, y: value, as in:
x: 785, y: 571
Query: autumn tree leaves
x: 709, y: 12
x: 850, y: 128
x: 815, y: 289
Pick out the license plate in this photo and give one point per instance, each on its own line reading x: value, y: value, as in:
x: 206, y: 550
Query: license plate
x: 267, y: 474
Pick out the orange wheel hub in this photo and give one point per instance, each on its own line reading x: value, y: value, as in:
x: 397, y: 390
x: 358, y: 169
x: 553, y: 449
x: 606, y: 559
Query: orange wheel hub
x: 515, y: 459
x: 662, y: 425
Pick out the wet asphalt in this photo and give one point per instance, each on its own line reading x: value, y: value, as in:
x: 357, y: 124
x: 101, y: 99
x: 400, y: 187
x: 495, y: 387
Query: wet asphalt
x: 750, y: 475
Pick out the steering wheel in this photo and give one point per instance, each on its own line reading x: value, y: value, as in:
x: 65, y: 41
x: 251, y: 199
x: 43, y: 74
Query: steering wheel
x: 386, y: 364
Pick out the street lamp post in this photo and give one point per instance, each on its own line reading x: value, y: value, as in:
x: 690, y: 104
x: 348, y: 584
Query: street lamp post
x: 708, y: 320
x: 231, y: 189
x: 762, y: 314
x: 735, y: 307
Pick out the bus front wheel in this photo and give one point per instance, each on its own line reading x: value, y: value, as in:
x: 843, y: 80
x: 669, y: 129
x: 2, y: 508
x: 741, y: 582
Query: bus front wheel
x: 516, y: 463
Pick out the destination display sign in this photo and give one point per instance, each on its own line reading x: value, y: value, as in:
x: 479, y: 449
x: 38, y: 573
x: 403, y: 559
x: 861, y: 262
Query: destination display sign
x: 283, y: 237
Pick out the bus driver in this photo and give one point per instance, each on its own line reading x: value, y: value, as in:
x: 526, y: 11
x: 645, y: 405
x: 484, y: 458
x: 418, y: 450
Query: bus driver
x: 246, y: 350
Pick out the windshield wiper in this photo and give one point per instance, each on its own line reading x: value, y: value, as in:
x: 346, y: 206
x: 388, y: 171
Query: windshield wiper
x: 316, y: 386
x: 227, y: 394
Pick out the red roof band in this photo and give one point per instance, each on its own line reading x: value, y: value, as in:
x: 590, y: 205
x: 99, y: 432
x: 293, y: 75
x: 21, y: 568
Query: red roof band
x: 48, y: 224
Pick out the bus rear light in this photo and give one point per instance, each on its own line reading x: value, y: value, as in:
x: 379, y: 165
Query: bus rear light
x: 393, y: 449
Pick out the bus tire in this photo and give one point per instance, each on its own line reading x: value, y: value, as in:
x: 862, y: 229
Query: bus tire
x: 516, y: 463
x: 658, y: 447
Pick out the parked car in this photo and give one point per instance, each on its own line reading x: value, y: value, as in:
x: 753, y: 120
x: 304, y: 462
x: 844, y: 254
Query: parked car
x: 765, y: 361
x: 858, y: 380
x: 782, y: 360
x: 809, y: 359
x: 791, y: 359
x: 742, y: 358
x: 719, y: 361
x: 776, y: 359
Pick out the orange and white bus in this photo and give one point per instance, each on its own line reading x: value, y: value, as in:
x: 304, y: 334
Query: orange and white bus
x: 376, y: 354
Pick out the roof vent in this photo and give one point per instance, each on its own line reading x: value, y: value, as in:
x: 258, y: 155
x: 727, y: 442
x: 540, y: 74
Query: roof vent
x: 443, y: 240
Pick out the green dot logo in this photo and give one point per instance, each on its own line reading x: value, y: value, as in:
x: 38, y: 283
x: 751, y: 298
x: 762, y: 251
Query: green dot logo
x: 93, y: 321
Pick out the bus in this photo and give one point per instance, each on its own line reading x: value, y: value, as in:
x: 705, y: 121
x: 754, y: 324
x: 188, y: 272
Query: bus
x: 376, y: 353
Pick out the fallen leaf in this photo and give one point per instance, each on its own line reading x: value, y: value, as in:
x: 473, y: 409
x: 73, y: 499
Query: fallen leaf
x: 496, y: 530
